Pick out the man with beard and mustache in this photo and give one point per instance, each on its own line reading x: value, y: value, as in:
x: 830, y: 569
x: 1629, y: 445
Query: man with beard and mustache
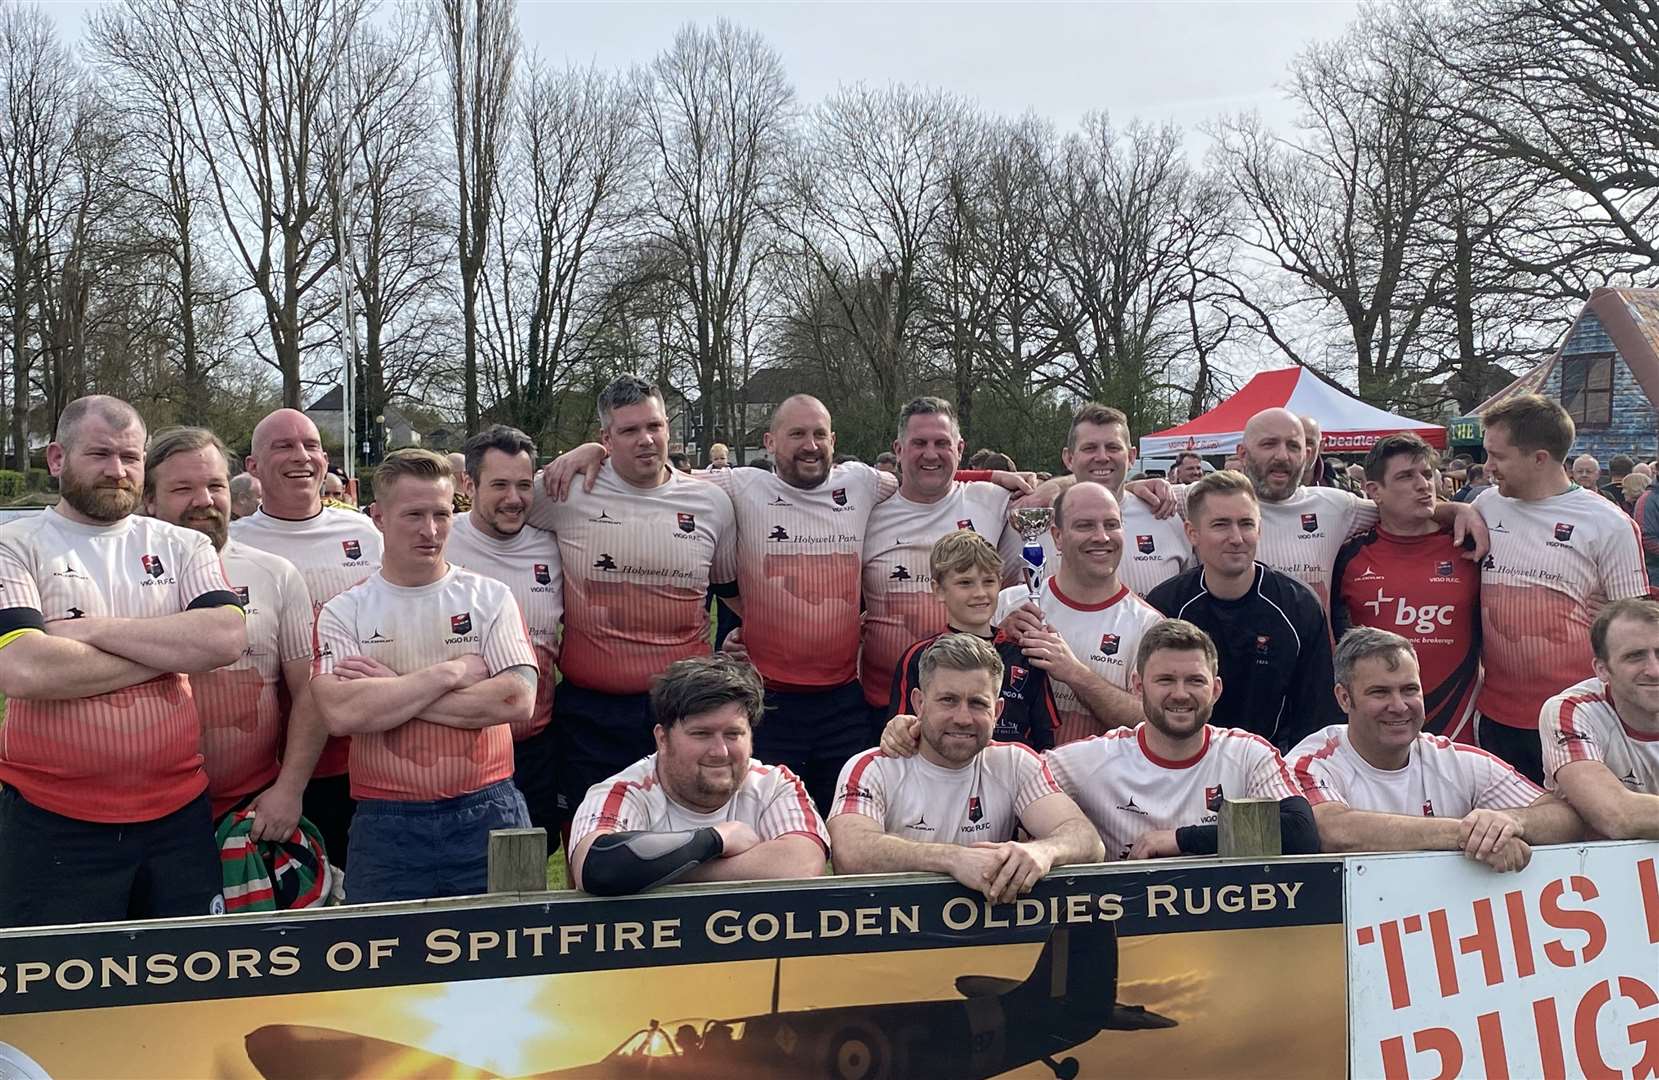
x: 1155, y: 790
x: 104, y: 812
x: 641, y: 546
x: 258, y: 753
x: 1304, y: 527
x: 490, y: 539
x: 955, y: 806
x: 700, y: 808
x: 801, y: 531
x: 333, y: 549
x: 1275, y: 643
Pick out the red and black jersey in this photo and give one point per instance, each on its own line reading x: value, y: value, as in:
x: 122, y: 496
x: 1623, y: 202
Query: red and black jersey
x: 1422, y: 588
x: 1029, y: 715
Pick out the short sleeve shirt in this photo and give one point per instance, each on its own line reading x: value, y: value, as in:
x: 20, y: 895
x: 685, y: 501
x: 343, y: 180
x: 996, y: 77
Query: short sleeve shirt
x: 1553, y: 565
x: 409, y: 629
x: 1126, y: 790
x: 1581, y: 724
x: 128, y: 755
x: 1442, y: 778
x: 918, y: 800
x: 1154, y: 549
x: 243, y: 706
x: 638, y: 563
x: 899, y: 606
x: 1302, y: 535
x: 529, y: 565
x: 1104, y: 636
x: 771, y: 800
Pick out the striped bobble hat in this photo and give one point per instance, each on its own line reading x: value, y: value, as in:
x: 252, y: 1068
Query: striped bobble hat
x: 268, y: 875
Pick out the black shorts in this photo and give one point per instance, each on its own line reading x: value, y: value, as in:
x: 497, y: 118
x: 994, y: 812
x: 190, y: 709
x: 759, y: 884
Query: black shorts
x: 56, y: 869
x: 1518, y: 746
x: 536, y: 775
x: 328, y: 805
x: 597, y: 736
x: 813, y: 733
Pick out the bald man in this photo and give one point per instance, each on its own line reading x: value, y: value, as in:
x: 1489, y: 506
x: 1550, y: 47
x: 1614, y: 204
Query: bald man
x: 1587, y: 472
x: 1313, y: 469
x: 333, y: 548
x: 463, y: 488
x: 1302, y: 527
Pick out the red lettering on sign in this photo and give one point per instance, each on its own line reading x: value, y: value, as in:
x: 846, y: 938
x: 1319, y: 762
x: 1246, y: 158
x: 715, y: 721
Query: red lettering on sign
x: 1548, y: 1025
x: 1649, y: 882
x: 1519, y: 932
x: 1485, y: 942
x: 1439, y: 1040
x: 1580, y: 919
x: 1491, y: 1046
x: 1394, y: 963
x: 1445, y: 964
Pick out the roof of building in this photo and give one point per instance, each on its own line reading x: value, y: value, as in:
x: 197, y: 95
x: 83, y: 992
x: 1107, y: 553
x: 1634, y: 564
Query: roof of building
x: 1630, y: 318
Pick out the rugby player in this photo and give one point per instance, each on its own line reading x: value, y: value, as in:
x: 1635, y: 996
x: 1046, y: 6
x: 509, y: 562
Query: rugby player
x: 1406, y: 575
x: 1099, y: 449
x: 428, y: 667
x: 1601, y: 736
x: 1559, y: 552
x: 954, y: 807
x: 967, y: 577
x: 261, y: 737
x: 1274, y: 643
x: 640, y: 550
x: 1086, y: 625
x: 700, y: 808
x: 333, y: 549
x: 104, y: 812
x: 1379, y: 783
x: 1155, y: 790
x: 244, y: 495
x: 1304, y: 526
x: 490, y: 539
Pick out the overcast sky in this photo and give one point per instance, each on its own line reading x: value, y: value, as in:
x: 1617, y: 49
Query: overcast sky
x: 1184, y: 62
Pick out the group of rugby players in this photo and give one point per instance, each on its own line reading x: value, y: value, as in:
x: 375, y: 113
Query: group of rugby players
x: 391, y: 676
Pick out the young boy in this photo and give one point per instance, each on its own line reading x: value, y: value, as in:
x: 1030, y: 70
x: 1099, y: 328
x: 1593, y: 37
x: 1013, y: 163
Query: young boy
x: 967, y: 576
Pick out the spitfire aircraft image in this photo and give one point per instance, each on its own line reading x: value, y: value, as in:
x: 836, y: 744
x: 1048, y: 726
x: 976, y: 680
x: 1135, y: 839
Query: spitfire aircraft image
x: 996, y: 1025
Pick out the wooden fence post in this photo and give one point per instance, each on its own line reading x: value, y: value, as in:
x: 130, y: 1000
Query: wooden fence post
x: 518, y: 860
x: 1249, y: 828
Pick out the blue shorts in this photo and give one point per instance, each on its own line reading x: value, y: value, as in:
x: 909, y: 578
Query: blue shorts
x: 419, y: 850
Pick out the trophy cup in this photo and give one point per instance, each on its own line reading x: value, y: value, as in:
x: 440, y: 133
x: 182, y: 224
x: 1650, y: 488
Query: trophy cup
x: 1033, y: 522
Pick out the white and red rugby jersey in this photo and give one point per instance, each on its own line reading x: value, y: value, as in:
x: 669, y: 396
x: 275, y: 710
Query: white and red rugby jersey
x: 1442, y: 778
x: 771, y: 800
x: 1581, y: 724
x: 132, y: 754
x: 638, y: 563
x: 1127, y: 791
x: 918, y: 800
x: 1302, y: 535
x: 899, y: 606
x: 333, y: 550
x: 528, y: 564
x: 1554, y: 564
x: 1104, y: 636
x: 409, y: 629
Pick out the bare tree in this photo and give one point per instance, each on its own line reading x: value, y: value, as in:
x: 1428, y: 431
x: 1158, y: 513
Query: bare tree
x: 715, y: 115
x: 478, y: 40
x: 39, y: 129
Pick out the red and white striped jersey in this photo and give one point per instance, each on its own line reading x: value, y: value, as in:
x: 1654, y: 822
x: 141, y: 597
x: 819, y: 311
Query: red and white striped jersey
x: 133, y: 754
x: 1104, y: 636
x: 243, y: 706
x: 333, y: 550
x: 1154, y: 549
x: 528, y: 564
x: 799, y: 557
x: 1126, y: 790
x: 1581, y: 724
x: 1442, y: 779
x: 1554, y: 564
x: 771, y: 800
x: 638, y: 563
x: 1302, y: 535
x: 918, y: 800
x: 899, y: 607
x: 410, y: 629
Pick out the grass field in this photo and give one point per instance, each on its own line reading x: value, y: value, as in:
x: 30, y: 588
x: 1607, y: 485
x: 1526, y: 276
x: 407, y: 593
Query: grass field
x: 556, y: 870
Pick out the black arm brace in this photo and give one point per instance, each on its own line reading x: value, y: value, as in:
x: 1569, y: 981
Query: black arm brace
x: 1298, y: 834
x: 620, y: 863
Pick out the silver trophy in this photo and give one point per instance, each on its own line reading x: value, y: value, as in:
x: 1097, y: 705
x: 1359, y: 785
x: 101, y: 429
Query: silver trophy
x: 1033, y: 522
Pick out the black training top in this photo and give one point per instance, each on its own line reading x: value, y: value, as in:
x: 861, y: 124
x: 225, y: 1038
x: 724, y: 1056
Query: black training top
x: 1029, y: 715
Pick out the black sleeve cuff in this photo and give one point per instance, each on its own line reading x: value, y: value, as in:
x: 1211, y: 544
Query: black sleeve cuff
x: 1198, y: 839
x: 215, y: 599
x: 13, y: 619
x: 728, y: 589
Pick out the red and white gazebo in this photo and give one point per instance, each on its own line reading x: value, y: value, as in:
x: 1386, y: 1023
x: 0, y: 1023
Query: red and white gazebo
x: 1349, y: 424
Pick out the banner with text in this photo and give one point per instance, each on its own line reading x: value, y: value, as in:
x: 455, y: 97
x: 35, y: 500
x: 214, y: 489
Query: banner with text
x: 1134, y: 970
x: 1456, y: 971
